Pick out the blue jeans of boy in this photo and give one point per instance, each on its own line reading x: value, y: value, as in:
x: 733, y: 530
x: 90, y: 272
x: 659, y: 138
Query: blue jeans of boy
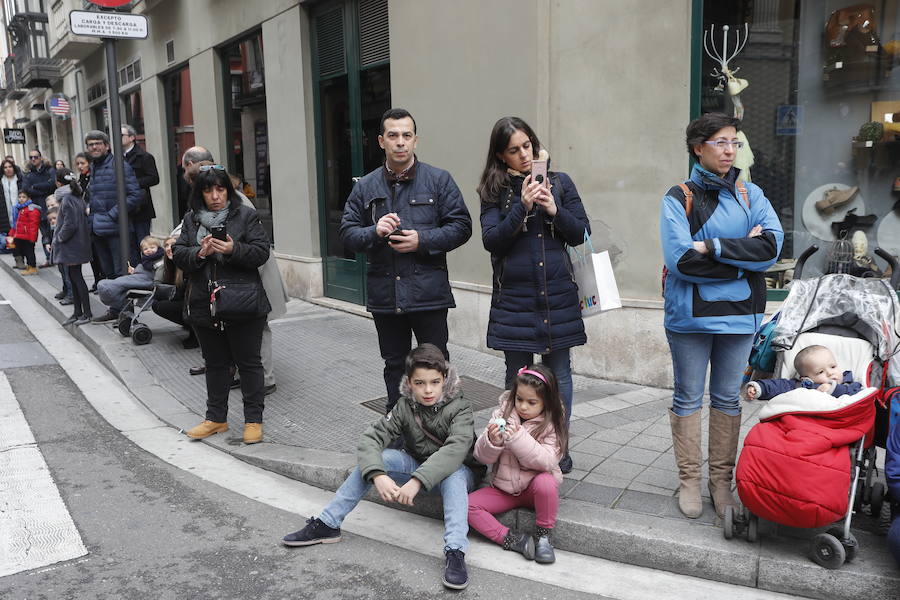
x: 399, y: 465
x: 726, y: 356
x: 557, y: 361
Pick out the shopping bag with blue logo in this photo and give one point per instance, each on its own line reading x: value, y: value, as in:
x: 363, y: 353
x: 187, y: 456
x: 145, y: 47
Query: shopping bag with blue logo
x: 597, y: 289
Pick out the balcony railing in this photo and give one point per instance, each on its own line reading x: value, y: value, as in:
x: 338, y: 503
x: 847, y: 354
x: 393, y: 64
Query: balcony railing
x: 62, y: 43
x: 12, y: 89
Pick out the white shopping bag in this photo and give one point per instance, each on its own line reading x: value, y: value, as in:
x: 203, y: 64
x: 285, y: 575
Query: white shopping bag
x: 597, y: 289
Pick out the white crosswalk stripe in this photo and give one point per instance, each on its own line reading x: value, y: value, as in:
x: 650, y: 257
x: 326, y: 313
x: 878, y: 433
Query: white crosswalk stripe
x: 35, y: 527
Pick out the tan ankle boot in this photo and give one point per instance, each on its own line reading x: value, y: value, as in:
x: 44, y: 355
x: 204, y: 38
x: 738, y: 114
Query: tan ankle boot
x: 253, y: 433
x: 835, y: 198
x: 206, y: 429
x: 686, y: 441
x: 723, y: 438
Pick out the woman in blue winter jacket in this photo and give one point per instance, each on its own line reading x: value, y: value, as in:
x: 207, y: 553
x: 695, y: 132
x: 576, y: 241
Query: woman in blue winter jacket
x: 526, y: 226
x: 718, y: 238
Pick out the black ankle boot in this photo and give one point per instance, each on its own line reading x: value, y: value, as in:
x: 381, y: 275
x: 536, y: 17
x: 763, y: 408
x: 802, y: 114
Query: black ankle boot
x: 543, y: 549
x: 519, y: 542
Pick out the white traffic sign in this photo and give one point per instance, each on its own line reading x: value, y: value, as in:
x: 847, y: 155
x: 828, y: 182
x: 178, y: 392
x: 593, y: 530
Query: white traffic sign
x: 108, y: 24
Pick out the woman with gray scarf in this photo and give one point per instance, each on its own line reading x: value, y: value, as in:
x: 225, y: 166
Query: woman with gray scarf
x: 223, y: 241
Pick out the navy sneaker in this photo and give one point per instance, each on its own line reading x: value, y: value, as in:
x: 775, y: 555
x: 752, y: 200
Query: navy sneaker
x: 455, y: 575
x: 565, y: 465
x: 315, y: 532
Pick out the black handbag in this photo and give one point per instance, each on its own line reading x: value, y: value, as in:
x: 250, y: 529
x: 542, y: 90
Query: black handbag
x: 236, y: 300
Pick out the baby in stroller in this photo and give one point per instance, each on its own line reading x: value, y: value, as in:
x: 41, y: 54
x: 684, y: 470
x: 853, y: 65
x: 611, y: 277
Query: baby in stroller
x: 817, y: 369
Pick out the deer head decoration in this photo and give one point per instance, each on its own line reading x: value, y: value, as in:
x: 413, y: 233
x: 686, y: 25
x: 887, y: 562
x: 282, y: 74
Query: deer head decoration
x: 723, y: 55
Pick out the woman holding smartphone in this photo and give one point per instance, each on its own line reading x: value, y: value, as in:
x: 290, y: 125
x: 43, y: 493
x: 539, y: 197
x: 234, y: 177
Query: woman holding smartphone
x: 528, y: 216
x: 223, y: 244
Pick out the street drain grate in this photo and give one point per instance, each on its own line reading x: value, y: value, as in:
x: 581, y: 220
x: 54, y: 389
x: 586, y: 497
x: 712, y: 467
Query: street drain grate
x: 482, y: 395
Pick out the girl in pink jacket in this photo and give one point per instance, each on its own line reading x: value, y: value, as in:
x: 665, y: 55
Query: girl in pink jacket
x: 524, y: 440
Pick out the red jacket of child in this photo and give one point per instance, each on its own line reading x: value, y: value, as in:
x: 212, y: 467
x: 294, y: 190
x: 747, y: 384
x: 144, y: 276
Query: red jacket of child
x: 28, y: 224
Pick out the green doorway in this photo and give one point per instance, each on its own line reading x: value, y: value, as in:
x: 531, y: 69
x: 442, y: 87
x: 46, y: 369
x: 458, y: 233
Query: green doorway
x: 352, y: 86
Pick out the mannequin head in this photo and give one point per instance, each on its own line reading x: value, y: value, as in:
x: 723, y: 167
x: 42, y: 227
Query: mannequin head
x: 860, y: 244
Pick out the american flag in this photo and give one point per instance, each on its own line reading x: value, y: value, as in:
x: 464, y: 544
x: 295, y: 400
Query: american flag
x: 59, y: 106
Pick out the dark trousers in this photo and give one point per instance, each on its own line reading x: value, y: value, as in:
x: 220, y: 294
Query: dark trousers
x: 46, y: 236
x: 109, y: 254
x: 67, y: 285
x: 171, y: 310
x: 395, y: 342
x: 238, y: 344
x: 81, y: 299
x: 140, y: 230
x: 25, y: 249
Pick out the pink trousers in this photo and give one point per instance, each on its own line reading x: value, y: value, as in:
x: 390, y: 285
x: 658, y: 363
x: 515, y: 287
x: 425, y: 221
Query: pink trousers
x: 542, y: 494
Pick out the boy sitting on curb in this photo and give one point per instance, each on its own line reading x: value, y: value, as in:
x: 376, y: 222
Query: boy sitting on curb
x: 436, y: 423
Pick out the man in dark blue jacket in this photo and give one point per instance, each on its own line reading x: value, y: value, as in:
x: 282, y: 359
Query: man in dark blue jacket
x: 104, y: 202
x: 39, y: 182
x: 405, y: 215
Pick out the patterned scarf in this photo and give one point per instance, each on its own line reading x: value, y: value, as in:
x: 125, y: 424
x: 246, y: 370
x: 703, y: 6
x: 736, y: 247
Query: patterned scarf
x: 208, y: 219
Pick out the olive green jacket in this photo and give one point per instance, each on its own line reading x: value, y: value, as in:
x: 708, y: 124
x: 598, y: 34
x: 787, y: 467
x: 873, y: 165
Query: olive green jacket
x: 450, y: 419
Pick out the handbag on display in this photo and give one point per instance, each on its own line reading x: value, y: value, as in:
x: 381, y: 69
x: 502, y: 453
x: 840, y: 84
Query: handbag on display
x: 593, y: 273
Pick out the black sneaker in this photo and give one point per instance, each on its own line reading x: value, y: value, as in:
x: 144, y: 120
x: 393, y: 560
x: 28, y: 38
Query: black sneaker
x: 107, y: 317
x: 60, y: 295
x: 565, y: 465
x: 270, y: 389
x: 315, y: 532
x: 455, y: 575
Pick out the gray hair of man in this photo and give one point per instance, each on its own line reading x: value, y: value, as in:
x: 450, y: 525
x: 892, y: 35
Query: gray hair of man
x: 129, y: 130
x: 196, y: 154
x: 96, y: 134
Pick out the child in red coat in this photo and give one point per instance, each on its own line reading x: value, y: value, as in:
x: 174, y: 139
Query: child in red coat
x: 24, y: 233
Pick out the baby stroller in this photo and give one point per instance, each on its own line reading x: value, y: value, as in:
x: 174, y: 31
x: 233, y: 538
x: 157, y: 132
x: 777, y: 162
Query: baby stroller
x: 795, y: 468
x: 138, y: 302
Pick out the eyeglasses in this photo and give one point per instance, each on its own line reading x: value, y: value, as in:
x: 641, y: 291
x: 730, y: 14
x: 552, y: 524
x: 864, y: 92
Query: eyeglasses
x: 722, y: 144
x: 95, y: 144
x: 34, y: 156
x: 206, y: 168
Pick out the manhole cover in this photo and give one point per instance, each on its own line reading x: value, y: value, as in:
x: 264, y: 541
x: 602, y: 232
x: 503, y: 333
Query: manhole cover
x: 482, y: 395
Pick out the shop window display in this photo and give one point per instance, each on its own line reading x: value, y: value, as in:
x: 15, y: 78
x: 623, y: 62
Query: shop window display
x: 817, y: 84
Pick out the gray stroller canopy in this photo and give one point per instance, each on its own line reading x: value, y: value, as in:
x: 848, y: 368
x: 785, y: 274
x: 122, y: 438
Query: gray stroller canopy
x: 867, y: 306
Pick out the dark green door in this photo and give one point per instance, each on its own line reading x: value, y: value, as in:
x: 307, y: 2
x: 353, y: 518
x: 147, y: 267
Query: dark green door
x: 352, y: 86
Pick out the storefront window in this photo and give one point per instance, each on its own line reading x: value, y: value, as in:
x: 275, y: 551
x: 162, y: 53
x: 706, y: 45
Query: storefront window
x: 134, y: 114
x: 180, y: 113
x: 247, y: 121
x: 817, y: 84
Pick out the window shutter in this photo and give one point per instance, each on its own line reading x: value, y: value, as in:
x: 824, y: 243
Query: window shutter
x: 330, y: 42
x: 374, y: 40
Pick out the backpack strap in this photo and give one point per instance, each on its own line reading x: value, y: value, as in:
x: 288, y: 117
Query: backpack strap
x: 688, y: 198
x: 745, y: 195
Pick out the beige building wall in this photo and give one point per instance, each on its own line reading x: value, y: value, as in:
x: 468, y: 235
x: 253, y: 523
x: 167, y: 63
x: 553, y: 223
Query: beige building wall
x: 611, y: 117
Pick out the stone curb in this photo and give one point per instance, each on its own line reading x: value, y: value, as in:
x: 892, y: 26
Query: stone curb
x: 678, y: 545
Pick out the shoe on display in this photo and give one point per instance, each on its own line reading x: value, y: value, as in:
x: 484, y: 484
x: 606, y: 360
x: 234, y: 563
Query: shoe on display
x: 315, y: 532
x: 835, y: 198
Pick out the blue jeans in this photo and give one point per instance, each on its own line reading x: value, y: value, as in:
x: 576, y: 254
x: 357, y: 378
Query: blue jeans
x: 557, y: 361
x: 725, y: 354
x: 893, y: 538
x: 399, y: 465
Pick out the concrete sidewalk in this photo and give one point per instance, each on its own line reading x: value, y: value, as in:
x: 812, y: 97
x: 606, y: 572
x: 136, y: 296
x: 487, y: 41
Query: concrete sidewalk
x: 619, y: 502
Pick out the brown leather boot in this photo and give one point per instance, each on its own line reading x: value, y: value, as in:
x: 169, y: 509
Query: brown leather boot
x: 253, y: 433
x: 723, y: 438
x: 686, y: 442
x: 206, y: 429
x: 835, y: 198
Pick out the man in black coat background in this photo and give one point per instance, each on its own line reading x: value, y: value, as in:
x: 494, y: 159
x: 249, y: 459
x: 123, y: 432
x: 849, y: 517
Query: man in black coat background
x: 39, y: 182
x: 144, y: 166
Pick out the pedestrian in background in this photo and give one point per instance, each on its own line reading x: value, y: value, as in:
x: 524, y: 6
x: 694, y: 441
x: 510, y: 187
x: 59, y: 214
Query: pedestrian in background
x: 716, y: 251
x: 72, y: 243
x: 526, y: 226
x: 12, y: 183
x: 104, y: 203
x: 59, y: 164
x: 144, y: 166
x: 406, y: 216
x: 39, y: 182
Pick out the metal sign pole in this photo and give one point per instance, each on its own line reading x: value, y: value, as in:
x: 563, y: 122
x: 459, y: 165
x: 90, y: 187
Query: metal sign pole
x: 115, y: 134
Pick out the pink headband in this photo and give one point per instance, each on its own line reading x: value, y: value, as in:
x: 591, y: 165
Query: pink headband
x: 526, y: 371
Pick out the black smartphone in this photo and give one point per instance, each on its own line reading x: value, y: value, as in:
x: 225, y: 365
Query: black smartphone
x: 218, y: 232
x: 397, y: 231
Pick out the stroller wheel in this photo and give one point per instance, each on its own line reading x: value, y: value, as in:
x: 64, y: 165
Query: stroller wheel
x: 124, y: 325
x: 752, y: 529
x: 827, y: 551
x: 728, y: 522
x: 877, y: 499
x: 141, y: 334
x: 851, y: 545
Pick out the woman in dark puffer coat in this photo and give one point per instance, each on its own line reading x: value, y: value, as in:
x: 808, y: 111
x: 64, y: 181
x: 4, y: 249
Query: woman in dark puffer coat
x: 525, y: 227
